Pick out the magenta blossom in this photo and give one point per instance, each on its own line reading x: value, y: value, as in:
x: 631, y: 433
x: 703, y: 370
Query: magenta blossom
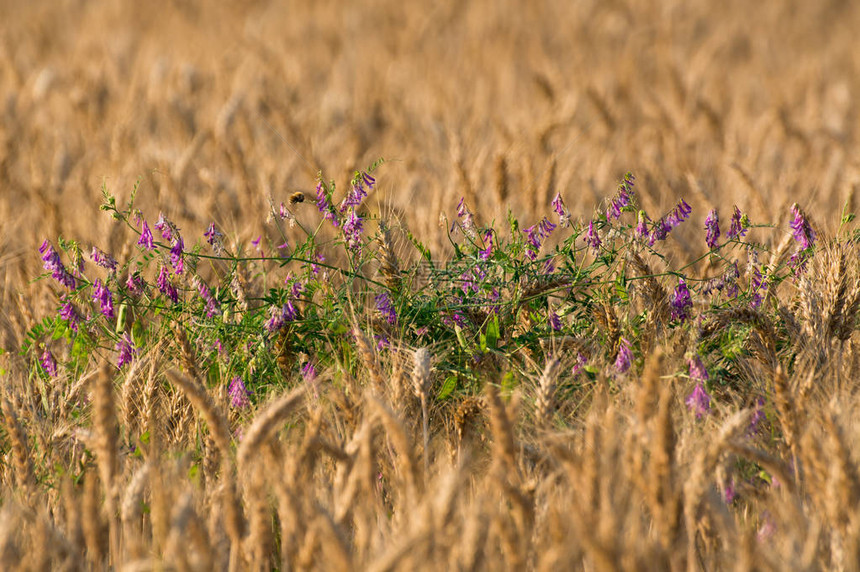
x: 49, y: 364
x: 592, y: 238
x: 699, y: 402
x: 712, y: 226
x: 624, y: 359
x: 104, y: 298
x: 146, y: 239
x: 681, y: 301
x: 238, y: 393
x: 126, y: 350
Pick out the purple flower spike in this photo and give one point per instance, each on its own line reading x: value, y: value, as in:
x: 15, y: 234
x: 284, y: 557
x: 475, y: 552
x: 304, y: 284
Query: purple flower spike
x: 801, y: 228
x: 176, y: 255
x: 554, y: 321
x: 624, y: 359
x: 561, y: 211
x: 385, y: 307
x: 699, y: 402
x: 126, y: 350
x: 622, y: 198
x: 214, y: 238
x: 146, y: 238
x: 165, y: 286
x: 536, y: 234
x: 488, y: 240
x: 352, y: 229
x: 53, y: 264
x: 324, y: 205
x: 368, y: 180
x: 212, y: 306
x: 166, y: 227
x: 681, y: 301
x: 697, y: 369
x: 49, y: 364
x: 309, y: 372
x: 737, y: 228
x: 135, y: 284
x: 238, y: 393
x: 641, y: 230
x: 712, y: 226
x: 68, y: 313
x: 468, y: 220
x: 104, y: 298
x: 592, y: 238
x: 103, y: 259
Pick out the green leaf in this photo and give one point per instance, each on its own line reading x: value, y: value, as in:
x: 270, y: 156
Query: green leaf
x: 509, y: 383
x: 492, y: 335
x: 448, y: 387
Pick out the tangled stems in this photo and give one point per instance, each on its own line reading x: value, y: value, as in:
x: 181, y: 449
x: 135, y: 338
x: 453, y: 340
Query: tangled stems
x: 499, y: 292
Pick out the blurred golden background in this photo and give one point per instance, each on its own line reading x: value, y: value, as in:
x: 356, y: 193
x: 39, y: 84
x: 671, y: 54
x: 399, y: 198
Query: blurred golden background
x: 216, y: 106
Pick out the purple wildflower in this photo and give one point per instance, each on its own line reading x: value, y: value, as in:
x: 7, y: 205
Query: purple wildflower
x: 592, y: 238
x: 681, y: 301
x: 167, y: 228
x: 471, y: 279
x: 238, y: 393
x: 309, y: 372
x: 368, y: 180
x: 324, y: 205
x: 145, y: 239
x: 104, y: 298
x: 624, y: 359
x: 554, y: 321
x: 641, y: 230
x: 53, y: 264
x: 176, y: 255
x: 352, y: 229
x: 679, y: 214
x: 737, y: 229
x: 622, y: 198
x: 488, y: 251
x: 468, y: 222
x: 214, y: 238
x: 212, y: 305
x: 381, y: 342
x: 698, y: 372
x: 712, y: 226
x: 758, y: 416
x: 135, y: 284
x: 561, y: 211
x: 385, y: 307
x: 297, y: 288
x: 280, y: 316
x: 759, y: 285
x: 354, y: 197
x: 49, y: 364
x: 699, y: 402
x: 578, y: 364
x: 664, y: 226
x: 660, y: 231
x: 68, y: 313
x: 103, y: 259
x: 801, y: 228
x: 126, y: 350
x: 315, y: 269
x: 165, y: 286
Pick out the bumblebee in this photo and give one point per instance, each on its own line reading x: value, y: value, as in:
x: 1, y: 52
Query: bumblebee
x: 297, y: 197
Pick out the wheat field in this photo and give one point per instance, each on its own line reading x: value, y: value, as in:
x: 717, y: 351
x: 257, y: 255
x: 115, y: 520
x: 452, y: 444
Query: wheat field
x: 522, y: 417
